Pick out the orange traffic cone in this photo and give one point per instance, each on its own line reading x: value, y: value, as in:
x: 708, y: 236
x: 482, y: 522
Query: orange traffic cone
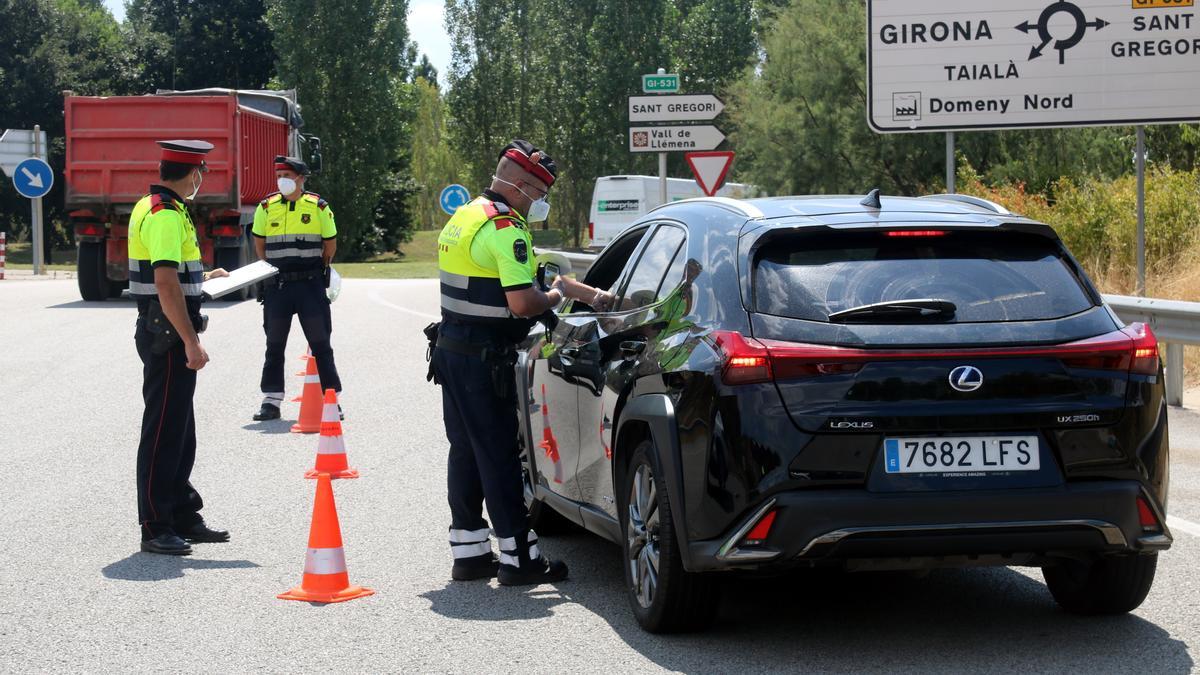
x: 549, y: 443
x: 310, y: 402
x: 331, y: 450
x: 325, y: 575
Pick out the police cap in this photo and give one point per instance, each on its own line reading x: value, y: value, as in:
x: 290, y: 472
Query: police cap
x: 520, y: 151
x: 290, y: 164
x: 185, y: 152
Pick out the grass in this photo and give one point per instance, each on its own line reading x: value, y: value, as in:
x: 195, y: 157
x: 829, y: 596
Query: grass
x: 20, y: 257
x: 417, y: 260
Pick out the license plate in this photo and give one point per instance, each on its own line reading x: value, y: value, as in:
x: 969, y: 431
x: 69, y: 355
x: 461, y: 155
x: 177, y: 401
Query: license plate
x: 961, y: 454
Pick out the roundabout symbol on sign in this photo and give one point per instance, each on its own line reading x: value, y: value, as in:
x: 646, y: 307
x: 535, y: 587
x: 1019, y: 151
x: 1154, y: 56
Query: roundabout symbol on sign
x: 452, y: 197
x: 1063, y: 44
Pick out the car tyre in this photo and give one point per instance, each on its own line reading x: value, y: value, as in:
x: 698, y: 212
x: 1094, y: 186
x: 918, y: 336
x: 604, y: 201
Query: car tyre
x: 1107, y: 585
x: 664, y: 596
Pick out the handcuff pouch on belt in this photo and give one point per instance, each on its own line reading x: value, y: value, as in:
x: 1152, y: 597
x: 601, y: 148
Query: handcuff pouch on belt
x: 163, y: 333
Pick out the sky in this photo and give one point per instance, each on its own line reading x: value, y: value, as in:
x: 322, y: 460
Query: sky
x: 424, y: 25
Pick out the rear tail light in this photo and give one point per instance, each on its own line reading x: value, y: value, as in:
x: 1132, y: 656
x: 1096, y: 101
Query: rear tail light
x: 761, y: 531
x: 1146, y: 517
x: 748, y: 360
x: 916, y: 233
x: 89, y: 229
x: 226, y: 230
x: 591, y: 231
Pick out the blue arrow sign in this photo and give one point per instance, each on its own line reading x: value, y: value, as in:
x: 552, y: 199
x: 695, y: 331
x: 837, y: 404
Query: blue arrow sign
x: 453, y: 196
x: 33, y: 178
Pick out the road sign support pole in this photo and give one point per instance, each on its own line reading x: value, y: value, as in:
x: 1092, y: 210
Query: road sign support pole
x: 951, y: 169
x: 36, y: 206
x: 662, y: 177
x: 1140, y: 160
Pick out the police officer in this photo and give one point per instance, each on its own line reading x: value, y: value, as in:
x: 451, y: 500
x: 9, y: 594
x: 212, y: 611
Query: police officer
x: 489, y: 299
x: 165, y: 274
x: 294, y: 231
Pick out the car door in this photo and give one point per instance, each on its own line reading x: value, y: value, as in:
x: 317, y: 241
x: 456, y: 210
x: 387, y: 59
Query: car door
x: 557, y: 367
x: 623, y: 346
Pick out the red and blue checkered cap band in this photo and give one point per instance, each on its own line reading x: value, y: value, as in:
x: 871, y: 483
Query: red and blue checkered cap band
x: 537, y: 170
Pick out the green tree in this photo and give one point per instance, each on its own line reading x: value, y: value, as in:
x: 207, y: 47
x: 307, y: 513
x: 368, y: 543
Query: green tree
x: 434, y: 162
x: 349, y: 61
x: 189, y: 44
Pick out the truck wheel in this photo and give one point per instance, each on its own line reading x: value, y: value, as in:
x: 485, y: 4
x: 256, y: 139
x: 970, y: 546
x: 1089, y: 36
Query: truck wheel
x: 90, y: 268
x: 665, y: 597
x: 1107, y: 585
x: 231, y: 259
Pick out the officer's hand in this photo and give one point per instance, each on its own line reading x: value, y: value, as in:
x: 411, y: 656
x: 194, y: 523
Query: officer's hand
x: 196, y: 356
x: 216, y: 274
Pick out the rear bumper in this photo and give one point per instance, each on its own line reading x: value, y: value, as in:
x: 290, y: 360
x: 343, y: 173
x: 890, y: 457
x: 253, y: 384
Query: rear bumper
x: 834, y: 526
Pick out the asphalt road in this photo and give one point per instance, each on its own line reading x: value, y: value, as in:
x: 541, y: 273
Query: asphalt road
x: 75, y: 596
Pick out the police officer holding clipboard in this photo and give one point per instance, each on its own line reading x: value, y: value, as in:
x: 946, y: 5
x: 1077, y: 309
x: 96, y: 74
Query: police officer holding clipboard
x: 165, y: 274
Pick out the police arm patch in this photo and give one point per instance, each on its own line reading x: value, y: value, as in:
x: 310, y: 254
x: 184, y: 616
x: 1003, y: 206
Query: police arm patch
x: 521, y: 251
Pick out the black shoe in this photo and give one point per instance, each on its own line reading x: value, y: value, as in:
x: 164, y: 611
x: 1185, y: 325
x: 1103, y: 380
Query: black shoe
x: 166, y: 544
x: 203, y: 533
x: 542, y: 571
x: 470, y: 569
x: 267, y: 412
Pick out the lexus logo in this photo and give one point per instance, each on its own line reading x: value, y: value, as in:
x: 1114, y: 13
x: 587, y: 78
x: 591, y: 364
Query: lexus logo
x: 966, y: 378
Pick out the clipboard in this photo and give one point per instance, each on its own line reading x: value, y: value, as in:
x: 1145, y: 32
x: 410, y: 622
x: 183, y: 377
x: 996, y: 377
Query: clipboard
x: 238, y: 279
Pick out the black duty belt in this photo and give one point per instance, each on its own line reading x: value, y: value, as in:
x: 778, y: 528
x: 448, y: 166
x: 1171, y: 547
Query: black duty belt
x: 303, y: 275
x: 484, y: 351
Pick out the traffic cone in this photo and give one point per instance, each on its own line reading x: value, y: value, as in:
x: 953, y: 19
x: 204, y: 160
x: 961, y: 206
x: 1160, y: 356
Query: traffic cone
x: 310, y: 402
x: 325, y: 576
x: 331, y: 450
x: 549, y: 443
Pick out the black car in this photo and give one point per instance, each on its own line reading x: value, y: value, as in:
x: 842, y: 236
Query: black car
x: 905, y: 383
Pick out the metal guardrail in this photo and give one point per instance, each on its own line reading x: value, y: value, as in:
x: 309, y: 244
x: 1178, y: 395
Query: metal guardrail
x: 1176, y: 323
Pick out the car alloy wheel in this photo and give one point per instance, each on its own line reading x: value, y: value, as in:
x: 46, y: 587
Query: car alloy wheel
x: 643, y: 534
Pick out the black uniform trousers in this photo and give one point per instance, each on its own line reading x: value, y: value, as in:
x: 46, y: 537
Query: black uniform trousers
x: 282, y: 301
x: 484, y: 463
x: 167, y: 502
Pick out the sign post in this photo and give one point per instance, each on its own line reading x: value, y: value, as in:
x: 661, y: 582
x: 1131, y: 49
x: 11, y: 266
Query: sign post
x: 23, y: 157
x: 662, y: 111
x: 1140, y: 161
x: 982, y: 65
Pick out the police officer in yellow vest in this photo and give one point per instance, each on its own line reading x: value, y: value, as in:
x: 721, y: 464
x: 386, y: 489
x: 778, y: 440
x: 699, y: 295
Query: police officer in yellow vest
x: 489, y: 300
x: 294, y: 230
x: 165, y: 274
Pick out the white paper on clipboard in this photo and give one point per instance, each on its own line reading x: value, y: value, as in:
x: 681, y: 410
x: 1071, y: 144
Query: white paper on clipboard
x: 238, y: 279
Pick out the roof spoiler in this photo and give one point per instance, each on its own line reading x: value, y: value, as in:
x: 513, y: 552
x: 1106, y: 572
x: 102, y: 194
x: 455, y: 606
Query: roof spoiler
x: 972, y: 201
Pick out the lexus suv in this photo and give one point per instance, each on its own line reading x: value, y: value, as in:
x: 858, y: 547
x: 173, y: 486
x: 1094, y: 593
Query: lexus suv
x: 869, y: 384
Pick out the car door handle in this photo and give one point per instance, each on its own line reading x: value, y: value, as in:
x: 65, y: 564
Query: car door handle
x: 631, y: 348
x: 570, y: 352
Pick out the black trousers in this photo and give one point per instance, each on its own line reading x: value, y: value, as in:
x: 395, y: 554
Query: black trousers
x: 280, y: 303
x: 484, y: 463
x: 167, y: 502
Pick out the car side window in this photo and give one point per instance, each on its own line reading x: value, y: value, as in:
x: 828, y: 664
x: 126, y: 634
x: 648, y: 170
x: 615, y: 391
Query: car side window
x: 606, y: 271
x: 643, y: 287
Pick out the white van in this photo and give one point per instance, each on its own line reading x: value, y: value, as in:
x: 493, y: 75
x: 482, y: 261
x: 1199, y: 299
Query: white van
x: 617, y: 201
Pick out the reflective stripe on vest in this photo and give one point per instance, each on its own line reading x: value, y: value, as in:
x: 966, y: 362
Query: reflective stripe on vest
x: 141, y: 279
x: 291, y: 250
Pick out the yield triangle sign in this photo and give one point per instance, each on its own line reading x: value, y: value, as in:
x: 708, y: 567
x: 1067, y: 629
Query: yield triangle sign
x: 710, y: 169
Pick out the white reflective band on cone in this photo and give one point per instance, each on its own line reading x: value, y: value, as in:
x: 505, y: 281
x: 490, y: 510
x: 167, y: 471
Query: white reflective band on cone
x: 330, y: 413
x: 471, y: 550
x: 468, y: 536
x: 312, y: 379
x: 331, y: 445
x: 325, y: 561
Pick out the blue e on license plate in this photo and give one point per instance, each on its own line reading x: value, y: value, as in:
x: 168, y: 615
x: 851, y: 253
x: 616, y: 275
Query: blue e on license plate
x: 961, y: 454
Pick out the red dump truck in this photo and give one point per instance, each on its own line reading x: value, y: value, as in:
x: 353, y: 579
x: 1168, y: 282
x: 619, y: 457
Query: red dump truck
x: 112, y: 159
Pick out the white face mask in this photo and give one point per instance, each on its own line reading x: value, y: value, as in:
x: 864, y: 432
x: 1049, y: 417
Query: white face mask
x: 539, y: 208
x: 196, y: 189
x: 286, y: 185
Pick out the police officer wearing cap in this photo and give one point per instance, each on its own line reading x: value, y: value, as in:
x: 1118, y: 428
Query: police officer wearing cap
x: 489, y: 299
x: 165, y: 273
x: 294, y: 231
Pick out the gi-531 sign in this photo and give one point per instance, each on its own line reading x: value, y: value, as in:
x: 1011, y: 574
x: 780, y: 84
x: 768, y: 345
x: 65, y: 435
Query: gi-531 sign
x: 978, y: 64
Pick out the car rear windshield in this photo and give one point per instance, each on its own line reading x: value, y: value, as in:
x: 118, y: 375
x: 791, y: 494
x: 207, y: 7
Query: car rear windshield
x: 989, y: 276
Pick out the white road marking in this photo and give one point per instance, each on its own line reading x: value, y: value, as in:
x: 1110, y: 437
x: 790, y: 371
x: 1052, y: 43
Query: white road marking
x: 1181, y: 525
x: 375, y: 297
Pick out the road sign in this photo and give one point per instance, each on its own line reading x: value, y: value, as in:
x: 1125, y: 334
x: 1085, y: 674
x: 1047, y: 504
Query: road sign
x: 33, y: 178
x: 676, y: 108
x: 660, y: 83
x: 452, y: 197
x: 17, y: 145
x: 678, y: 138
x: 979, y: 64
x: 710, y: 169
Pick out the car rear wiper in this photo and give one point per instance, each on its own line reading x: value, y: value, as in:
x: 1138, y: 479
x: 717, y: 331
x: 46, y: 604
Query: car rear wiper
x: 922, y: 308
